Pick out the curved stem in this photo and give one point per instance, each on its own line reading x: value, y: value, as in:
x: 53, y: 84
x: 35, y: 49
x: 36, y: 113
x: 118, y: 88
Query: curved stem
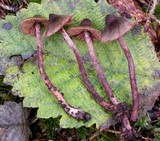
x: 99, y: 69
x: 74, y: 112
x: 132, y: 75
x: 87, y: 83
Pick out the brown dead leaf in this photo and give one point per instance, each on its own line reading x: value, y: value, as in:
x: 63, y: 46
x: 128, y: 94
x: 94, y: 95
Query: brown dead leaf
x: 13, y: 124
x: 148, y: 98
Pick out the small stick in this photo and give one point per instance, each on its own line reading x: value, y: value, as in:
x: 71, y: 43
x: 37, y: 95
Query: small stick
x: 9, y: 8
x: 150, y: 15
x: 99, y: 69
x: 134, y: 114
x: 155, y: 2
x: 98, y: 133
x: 74, y: 112
x: 87, y: 83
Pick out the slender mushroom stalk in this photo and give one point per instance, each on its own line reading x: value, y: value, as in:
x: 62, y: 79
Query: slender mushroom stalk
x: 115, y: 28
x: 51, y: 30
x: 85, y: 79
x: 86, y: 32
x: 33, y: 27
x: 126, y: 131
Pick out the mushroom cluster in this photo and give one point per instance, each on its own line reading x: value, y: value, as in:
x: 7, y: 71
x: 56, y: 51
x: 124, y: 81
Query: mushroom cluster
x: 86, y: 32
x: 32, y: 27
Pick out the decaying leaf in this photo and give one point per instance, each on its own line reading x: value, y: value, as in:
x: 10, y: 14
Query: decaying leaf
x: 61, y: 67
x: 148, y: 98
x: 107, y: 125
x: 13, y: 123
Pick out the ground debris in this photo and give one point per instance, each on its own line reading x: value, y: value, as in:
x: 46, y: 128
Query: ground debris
x: 13, y: 124
x: 148, y: 98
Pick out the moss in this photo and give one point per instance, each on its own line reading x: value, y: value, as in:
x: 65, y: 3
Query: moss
x: 157, y: 11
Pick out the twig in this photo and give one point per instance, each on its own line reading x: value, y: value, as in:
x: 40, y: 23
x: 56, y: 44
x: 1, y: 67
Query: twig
x: 150, y: 15
x: 9, y: 8
x: 147, y: 139
x: 155, y: 2
x: 106, y: 130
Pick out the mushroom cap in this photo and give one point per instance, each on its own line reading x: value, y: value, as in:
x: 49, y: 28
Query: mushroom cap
x: 85, y: 25
x: 56, y: 22
x: 115, y: 27
x: 28, y: 25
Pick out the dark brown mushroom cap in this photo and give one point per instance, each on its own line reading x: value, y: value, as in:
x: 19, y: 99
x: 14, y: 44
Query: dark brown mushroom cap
x: 85, y: 25
x: 28, y: 25
x: 56, y: 22
x: 115, y: 27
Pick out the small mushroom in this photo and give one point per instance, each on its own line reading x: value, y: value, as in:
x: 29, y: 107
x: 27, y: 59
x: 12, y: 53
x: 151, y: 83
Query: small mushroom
x: 85, y: 25
x: 115, y: 28
x: 28, y: 26
x: 56, y: 22
x: 58, y: 25
x: 32, y: 27
x: 86, y: 32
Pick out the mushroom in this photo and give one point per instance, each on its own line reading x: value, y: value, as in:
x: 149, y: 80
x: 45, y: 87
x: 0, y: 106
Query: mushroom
x: 28, y: 26
x: 56, y: 25
x: 86, y: 32
x: 115, y: 109
x: 115, y: 28
x: 32, y: 26
x: 56, y: 22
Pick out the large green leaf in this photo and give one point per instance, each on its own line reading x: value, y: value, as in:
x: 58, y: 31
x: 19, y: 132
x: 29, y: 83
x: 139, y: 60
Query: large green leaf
x: 61, y: 66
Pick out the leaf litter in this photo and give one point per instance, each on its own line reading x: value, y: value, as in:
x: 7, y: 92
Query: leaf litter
x: 13, y: 122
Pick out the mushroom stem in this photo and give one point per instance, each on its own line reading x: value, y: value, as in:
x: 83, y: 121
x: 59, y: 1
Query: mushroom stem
x: 134, y: 113
x: 126, y: 129
x: 74, y: 112
x: 87, y: 83
x: 99, y: 69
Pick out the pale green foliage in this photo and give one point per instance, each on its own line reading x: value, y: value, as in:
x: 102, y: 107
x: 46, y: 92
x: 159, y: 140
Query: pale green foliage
x: 61, y: 66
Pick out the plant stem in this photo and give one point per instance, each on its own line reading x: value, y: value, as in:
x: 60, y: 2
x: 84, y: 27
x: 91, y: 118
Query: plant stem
x: 74, y: 112
x: 132, y: 75
x: 87, y: 83
x: 99, y: 69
